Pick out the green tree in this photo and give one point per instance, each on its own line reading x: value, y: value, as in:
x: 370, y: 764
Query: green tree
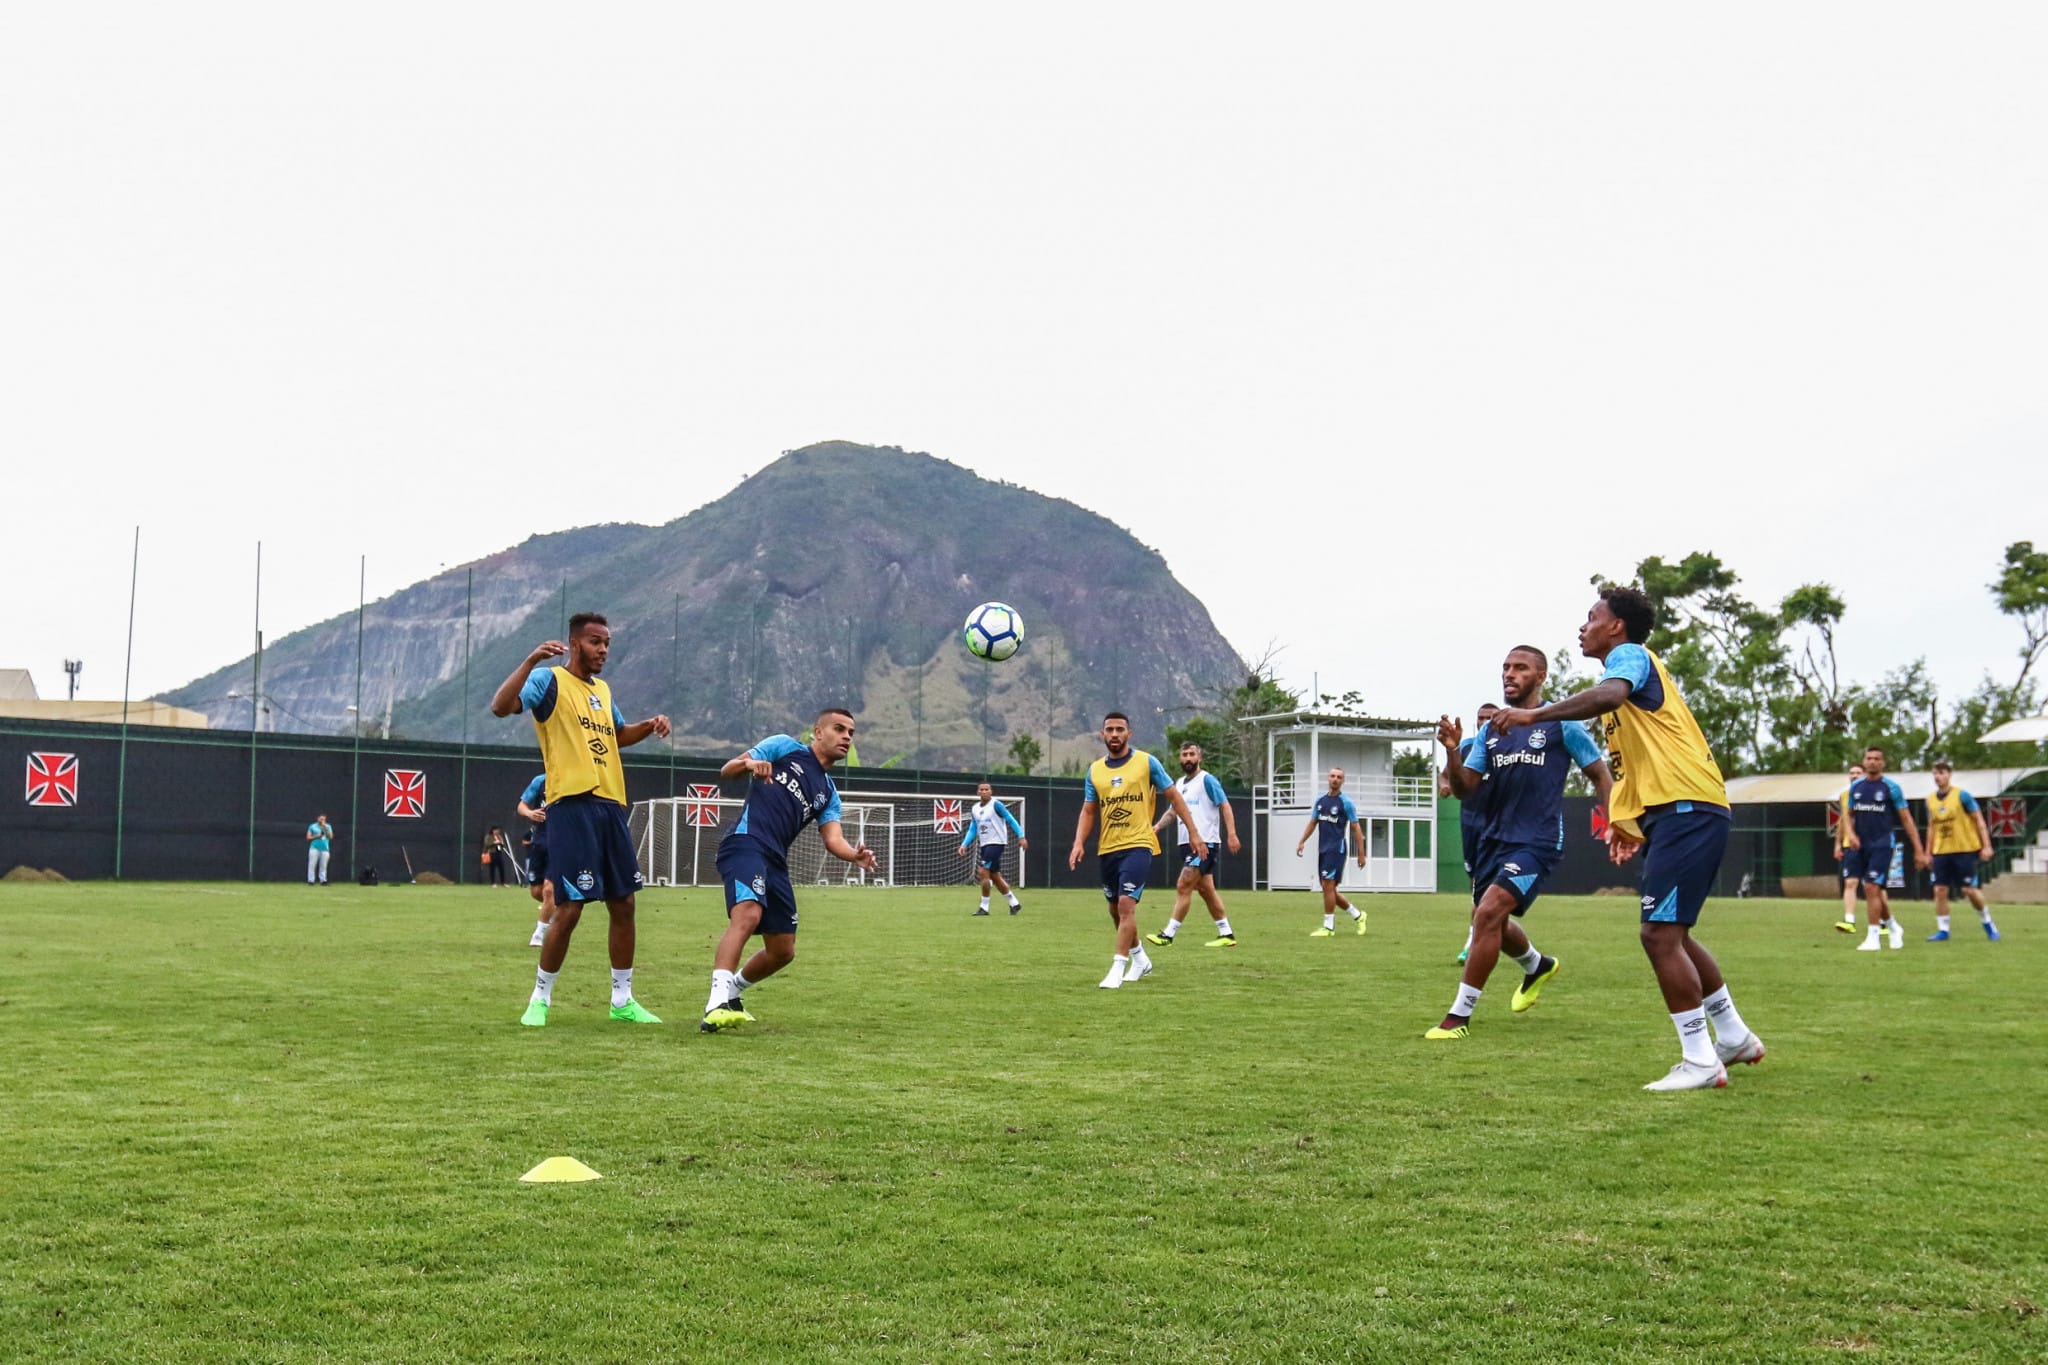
x: 2022, y: 593
x: 1025, y: 754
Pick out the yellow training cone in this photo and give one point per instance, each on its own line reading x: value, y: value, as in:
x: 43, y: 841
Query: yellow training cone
x: 559, y: 1170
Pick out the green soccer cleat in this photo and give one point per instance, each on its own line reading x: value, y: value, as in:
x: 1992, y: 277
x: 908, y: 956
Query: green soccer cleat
x: 633, y: 1012
x: 718, y: 1018
x: 1361, y: 924
x: 1222, y: 941
x: 1532, y: 985
x: 1322, y: 933
x: 1846, y: 926
x: 1440, y: 1033
x: 1159, y: 940
x: 1463, y: 953
x: 536, y: 1015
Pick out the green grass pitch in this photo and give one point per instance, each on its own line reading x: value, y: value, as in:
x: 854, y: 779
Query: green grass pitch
x: 269, y: 1123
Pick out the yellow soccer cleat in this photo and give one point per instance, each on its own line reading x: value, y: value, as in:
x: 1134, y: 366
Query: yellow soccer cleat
x: 1361, y: 924
x: 1322, y: 933
x: 1440, y: 1033
x: 1532, y: 985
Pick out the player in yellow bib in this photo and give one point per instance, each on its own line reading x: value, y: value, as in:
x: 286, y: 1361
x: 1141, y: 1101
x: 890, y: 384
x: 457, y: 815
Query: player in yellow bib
x: 590, y: 854
x: 1668, y: 799
x: 1957, y: 838
x: 1123, y: 788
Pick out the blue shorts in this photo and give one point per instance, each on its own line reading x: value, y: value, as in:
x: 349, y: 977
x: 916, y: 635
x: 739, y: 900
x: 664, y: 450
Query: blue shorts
x: 537, y: 855
x: 1956, y: 871
x: 589, y: 853
x: 1206, y: 866
x: 1124, y: 873
x: 748, y: 874
x: 1330, y: 865
x: 1681, y: 861
x: 1870, y: 864
x: 992, y: 856
x: 1518, y: 869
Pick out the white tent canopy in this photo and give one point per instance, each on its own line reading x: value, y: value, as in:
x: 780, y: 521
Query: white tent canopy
x: 1825, y: 787
x: 2025, y: 730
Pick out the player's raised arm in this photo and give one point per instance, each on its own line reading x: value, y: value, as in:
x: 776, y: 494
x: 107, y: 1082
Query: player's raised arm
x: 758, y: 768
x: 1463, y: 781
x: 505, y: 701
x: 1606, y: 695
x: 630, y: 735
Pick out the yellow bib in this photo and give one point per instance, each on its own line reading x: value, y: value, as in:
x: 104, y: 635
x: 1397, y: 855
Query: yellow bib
x: 1658, y: 757
x: 1124, y: 799
x: 1950, y: 828
x: 579, y: 745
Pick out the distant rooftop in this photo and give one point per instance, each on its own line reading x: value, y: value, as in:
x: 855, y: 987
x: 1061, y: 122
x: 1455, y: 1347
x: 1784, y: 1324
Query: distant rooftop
x: 1341, y: 720
x: 17, y: 685
x: 1825, y: 787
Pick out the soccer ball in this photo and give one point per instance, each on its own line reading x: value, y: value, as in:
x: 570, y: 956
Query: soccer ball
x: 993, y: 632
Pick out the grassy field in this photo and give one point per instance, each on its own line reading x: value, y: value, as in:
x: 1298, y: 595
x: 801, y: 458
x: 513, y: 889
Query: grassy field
x: 268, y: 1123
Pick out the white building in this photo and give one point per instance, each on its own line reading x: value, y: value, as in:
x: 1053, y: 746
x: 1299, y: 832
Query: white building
x: 1399, y: 813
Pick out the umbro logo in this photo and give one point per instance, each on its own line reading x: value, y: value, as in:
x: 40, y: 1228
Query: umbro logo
x: 1512, y: 869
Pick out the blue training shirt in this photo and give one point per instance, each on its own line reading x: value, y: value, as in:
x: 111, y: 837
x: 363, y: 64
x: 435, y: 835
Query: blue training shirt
x: 1874, y: 804
x: 535, y: 791
x: 1334, y: 815
x: 797, y: 792
x: 1630, y: 662
x: 1525, y: 776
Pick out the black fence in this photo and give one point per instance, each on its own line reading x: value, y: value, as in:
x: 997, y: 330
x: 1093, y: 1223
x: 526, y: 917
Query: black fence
x: 222, y: 805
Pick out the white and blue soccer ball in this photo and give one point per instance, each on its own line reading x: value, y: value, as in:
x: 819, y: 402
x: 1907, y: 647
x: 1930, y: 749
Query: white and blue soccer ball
x: 993, y: 631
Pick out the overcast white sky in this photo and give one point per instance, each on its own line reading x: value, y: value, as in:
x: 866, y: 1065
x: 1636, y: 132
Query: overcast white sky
x: 1389, y: 325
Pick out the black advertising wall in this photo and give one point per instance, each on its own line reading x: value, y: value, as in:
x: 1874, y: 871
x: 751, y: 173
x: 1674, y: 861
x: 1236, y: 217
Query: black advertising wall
x: 187, y: 812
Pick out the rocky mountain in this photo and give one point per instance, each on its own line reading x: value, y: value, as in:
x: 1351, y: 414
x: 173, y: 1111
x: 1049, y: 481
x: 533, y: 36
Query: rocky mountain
x: 839, y: 574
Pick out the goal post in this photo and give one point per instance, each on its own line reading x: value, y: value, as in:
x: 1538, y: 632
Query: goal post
x: 915, y: 838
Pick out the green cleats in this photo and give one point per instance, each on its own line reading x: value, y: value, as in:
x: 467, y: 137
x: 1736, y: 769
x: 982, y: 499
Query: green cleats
x: 536, y: 1015
x: 1159, y: 940
x: 1222, y: 941
x: 1440, y: 1033
x: 1532, y: 985
x: 1322, y: 933
x: 1361, y: 924
x: 731, y: 1014
x: 633, y: 1012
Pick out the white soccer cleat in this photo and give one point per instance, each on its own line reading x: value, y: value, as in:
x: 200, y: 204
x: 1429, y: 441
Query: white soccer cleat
x: 1114, y: 980
x: 1140, y: 967
x: 1898, y: 934
x: 1870, y: 945
x: 1691, y: 1076
x: 1748, y: 1052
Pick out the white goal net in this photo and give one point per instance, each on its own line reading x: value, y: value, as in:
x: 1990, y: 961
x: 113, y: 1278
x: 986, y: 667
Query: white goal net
x: 916, y: 840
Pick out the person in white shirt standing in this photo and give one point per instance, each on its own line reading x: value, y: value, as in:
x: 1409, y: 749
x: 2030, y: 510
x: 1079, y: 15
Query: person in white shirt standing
x: 1217, y: 824
x: 990, y: 825
x: 319, y: 839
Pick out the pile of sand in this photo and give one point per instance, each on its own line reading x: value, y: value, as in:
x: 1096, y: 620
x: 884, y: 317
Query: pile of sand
x: 29, y: 874
x: 431, y: 879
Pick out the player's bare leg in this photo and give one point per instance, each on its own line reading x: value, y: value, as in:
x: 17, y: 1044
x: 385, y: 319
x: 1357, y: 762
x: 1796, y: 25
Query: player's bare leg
x: 1849, y: 889
x: 722, y: 1009
x: 1333, y: 901
x: 777, y: 951
x: 553, y: 950
x: 1494, y: 935
x: 625, y: 1008
x: 1130, y: 962
x: 1879, y: 903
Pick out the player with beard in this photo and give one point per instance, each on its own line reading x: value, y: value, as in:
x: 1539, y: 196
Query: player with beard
x: 1521, y: 833
x: 1124, y: 787
x: 790, y: 789
x: 590, y: 852
x: 1204, y: 795
x: 1670, y: 803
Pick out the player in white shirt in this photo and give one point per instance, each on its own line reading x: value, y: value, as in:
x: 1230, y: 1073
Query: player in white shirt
x: 989, y: 825
x: 1217, y: 825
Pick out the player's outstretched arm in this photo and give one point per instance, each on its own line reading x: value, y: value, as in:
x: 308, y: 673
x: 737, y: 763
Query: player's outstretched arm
x: 759, y: 768
x: 835, y: 844
x: 1606, y: 695
x: 629, y: 735
x: 1084, y: 825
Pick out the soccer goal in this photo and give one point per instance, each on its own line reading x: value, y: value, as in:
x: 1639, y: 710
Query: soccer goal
x: 916, y: 840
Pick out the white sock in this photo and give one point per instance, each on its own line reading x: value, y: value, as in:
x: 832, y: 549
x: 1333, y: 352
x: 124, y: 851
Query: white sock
x: 1692, y: 1037
x: 722, y: 988
x: 1119, y: 964
x: 1530, y: 960
x: 984, y: 902
x: 622, y: 986
x: 544, y: 986
x: 740, y: 983
x: 1138, y: 955
x: 1172, y: 928
x: 1941, y: 923
x: 1876, y: 930
x: 1353, y: 911
x: 1329, y: 921
x: 1984, y: 912
x: 1223, y: 928
x: 1728, y: 1025
x: 540, y: 926
x: 1012, y: 895
x: 1467, y: 1001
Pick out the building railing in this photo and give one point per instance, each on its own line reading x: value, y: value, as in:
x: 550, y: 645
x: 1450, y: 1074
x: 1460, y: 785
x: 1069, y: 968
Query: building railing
x: 1295, y: 790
